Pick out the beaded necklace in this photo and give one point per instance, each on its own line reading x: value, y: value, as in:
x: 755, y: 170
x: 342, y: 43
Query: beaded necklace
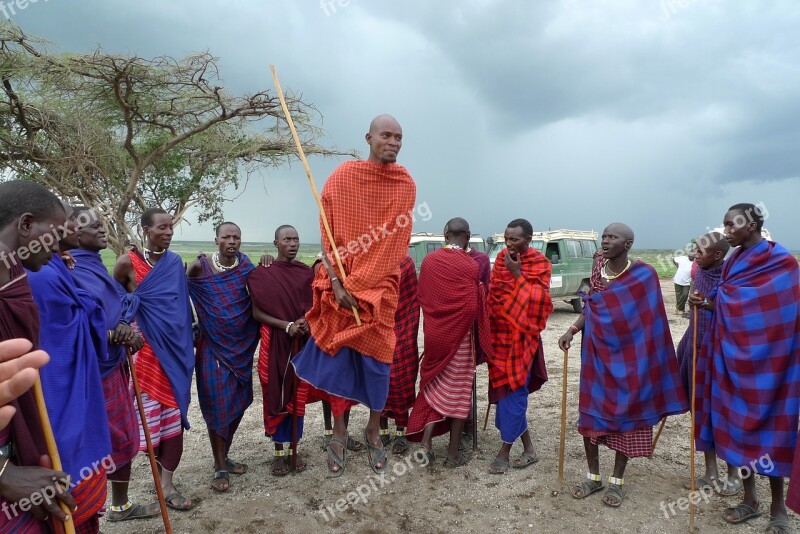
x: 604, y: 271
x: 219, y: 267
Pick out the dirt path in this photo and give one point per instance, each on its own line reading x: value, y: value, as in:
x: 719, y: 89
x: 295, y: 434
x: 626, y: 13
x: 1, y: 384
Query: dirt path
x: 416, y: 499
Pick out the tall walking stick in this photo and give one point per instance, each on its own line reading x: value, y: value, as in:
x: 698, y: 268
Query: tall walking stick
x: 295, y: 386
x: 302, y: 156
x: 563, y: 421
x: 52, y: 448
x: 150, y: 453
x: 691, y: 432
x: 486, y: 419
x: 474, y: 395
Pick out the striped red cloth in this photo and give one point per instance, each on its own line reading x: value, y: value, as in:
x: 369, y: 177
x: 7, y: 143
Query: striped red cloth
x: 519, y: 309
x: 369, y: 207
x: 453, y: 303
x: 123, y: 420
x: 90, y: 497
x: 405, y: 366
x: 755, y: 346
x: 152, y: 378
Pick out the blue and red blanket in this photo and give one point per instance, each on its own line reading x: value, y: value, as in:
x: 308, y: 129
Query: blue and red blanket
x: 629, y: 372
x: 755, y: 345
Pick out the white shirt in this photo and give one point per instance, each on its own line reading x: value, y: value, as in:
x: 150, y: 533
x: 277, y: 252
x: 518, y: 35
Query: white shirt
x: 684, y: 274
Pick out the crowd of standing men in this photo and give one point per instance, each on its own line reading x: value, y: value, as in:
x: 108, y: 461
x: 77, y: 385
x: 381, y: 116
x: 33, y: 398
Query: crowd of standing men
x: 344, y: 332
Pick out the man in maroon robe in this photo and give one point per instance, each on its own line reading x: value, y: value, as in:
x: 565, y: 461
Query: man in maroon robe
x: 453, y: 304
x: 281, y: 295
x: 28, y: 216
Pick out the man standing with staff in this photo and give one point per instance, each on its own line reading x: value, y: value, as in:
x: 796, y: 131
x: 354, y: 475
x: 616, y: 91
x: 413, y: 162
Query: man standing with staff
x: 368, y: 205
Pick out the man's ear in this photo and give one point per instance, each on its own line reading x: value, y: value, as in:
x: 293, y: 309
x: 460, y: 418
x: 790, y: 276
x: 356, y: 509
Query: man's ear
x: 25, y: 224
x: 628, y: 245
x: 718, y: 254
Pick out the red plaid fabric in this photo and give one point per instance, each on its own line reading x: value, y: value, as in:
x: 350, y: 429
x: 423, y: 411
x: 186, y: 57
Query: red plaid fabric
x: 634, y: 444
x: 369, y: 208
x: 405, y: 365
x: 151, y: 376
x: 123, y: 419
x: 519, y: 309
x: 90, y: 496
x: 793, y: 497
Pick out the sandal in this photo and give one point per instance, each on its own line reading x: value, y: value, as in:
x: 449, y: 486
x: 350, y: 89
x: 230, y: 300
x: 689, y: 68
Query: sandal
x: 701, y: 483
x: 221, y: 475
x: 176, y: 496
x: 135, y: 511
x: 524, y: 460
x: 235, y: 468
x: 743, y: 513
x: 353, y: 445
x: 586, y: 488
x: 424, y: 454
x: 778, y: 524
x: 385, y: 438
x: 400, y: 445
x: 326, y: 438
x: 458, y: 462
x: 498, y: 466
x: 614, y: 491
x: 728, y: 489
x: 376, y: 455
x: 279, y: 466
x: 335, y: 458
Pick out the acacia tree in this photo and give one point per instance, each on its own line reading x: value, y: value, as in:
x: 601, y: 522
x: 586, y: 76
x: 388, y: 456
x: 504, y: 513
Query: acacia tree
x: 123, y: 134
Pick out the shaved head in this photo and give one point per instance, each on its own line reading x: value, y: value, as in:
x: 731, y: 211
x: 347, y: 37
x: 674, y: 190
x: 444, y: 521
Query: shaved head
x: 456, y: 225
x: 620, y: 229
x: 381, y: 122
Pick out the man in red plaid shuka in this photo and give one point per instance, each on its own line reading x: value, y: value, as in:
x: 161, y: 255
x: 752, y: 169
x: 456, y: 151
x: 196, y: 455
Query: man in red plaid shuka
x: 405, y: 365
x: 453, y: 302
x: 519, y: 300
x: 629, y: 372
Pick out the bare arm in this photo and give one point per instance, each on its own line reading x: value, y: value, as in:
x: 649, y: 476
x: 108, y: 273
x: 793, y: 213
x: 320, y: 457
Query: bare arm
x: 124, y: 273
x: 264, y: 318
x: 195, y: 269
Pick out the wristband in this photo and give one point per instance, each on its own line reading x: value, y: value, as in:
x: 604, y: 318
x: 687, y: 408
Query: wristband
x: 574, y: 329
x: 334, y: 279
x: 288, y: 326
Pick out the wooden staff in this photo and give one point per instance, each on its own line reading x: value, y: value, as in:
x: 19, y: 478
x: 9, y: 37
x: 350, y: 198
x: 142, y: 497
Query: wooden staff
x: 486, y: 419
x: 563, y: 422
x: 150, y: 453
x: 302, y: 156
x: 474, y: 394
x: 52, y: 448
x: 295, y: 386
x: 691, y: 431
x: 658, y: 435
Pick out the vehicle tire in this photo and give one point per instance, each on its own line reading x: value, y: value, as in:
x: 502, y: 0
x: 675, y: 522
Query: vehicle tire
x: 577, y: 305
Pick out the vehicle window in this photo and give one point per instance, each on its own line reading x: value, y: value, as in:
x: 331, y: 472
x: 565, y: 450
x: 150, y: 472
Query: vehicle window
x: 430, y: 247
x: 552, y: 251
x: 538, y: 245
x: 412, y: 251
x: 574, y: 249
x: 589, y: 248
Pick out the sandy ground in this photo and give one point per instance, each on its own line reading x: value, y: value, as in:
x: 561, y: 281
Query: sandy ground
x: 413, y: 498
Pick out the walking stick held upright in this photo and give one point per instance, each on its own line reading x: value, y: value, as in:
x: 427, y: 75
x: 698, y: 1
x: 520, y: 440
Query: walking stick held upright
x: 150, y: 453
x: 52, y: 448
x: 302, y: 156
x: 563, y: 421
x: 691, y: 431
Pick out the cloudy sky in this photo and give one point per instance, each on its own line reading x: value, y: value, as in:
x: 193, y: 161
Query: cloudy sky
x: 657, y: 113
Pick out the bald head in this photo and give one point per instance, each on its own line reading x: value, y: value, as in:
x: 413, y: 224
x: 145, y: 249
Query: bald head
x: 619, y: 229
x: 456, y: 232
x: 385, y: 137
